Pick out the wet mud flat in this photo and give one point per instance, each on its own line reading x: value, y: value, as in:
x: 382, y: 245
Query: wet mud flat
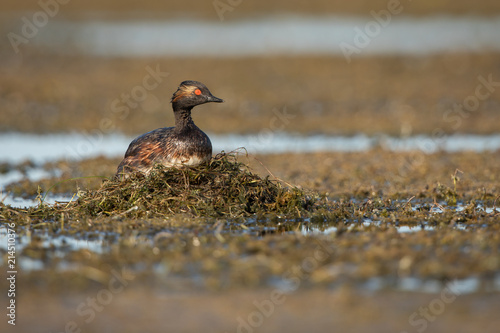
x: 374, y: 248
x: 377, y: 173
x: 140, y: 309
x: 46, y: 93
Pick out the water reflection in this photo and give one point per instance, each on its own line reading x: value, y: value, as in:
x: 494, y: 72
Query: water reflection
x: 286, y: 35
x: 18, y: 147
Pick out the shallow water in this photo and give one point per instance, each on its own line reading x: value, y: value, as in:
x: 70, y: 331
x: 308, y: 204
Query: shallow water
x: 45, y: 251
x: 61, y: 246
x: 287, y: 35
x: 18, y: 147
x: 33, y: 202
x: 33, y: 174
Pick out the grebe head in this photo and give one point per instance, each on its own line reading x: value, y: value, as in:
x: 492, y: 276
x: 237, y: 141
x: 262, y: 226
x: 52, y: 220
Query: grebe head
x: 192, y: 93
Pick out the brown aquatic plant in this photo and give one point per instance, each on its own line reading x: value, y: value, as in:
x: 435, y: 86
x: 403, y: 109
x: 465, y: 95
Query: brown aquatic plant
x: 222, y: 187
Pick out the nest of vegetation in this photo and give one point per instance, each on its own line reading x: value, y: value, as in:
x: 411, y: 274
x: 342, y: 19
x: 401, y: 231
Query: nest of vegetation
x: 222, y: 187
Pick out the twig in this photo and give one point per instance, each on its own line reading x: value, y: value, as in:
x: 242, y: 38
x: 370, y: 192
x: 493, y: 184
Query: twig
x: 267, y: 169
x: 408, y: 202
x: 125, y: 212
x: 63, y: 181
x: 437, y: 205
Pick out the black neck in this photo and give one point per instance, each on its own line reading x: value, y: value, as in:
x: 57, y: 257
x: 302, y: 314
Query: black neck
x: 182, y: 117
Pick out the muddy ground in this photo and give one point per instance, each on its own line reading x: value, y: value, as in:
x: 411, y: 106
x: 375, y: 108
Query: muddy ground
x: 377, y: 173
x: 392, y: 95
x: 345, y: 268
x: 307, y: 311
x: 191, y: 273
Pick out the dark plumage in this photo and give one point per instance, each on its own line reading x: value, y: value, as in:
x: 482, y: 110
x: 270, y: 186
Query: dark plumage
x: 184, y: 144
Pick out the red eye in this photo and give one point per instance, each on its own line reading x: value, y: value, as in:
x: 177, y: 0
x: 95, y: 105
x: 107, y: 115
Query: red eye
x: 197, y: 92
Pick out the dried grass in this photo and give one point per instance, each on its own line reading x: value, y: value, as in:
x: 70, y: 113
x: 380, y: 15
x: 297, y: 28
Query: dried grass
x: 223, y: 187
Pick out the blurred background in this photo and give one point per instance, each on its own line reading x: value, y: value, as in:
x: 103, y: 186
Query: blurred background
x: 82, y: 78
x: 338, y: 68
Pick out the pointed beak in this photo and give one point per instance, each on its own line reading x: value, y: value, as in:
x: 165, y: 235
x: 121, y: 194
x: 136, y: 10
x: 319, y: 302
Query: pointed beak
x: 212, y: 98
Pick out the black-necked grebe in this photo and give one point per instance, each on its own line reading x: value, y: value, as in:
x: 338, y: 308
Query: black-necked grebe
x: 184, y: 144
